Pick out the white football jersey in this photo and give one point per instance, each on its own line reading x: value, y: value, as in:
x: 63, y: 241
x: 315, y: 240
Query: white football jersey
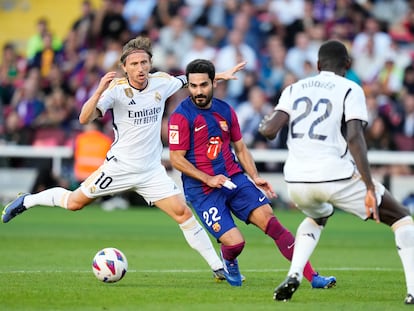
x: 318, y: 107
x: 137, y: 117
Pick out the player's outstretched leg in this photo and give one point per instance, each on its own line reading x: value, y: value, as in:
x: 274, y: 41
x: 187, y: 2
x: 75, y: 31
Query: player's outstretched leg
x: 14, y: 208
x: 287, y: 288
x: 319, y: 281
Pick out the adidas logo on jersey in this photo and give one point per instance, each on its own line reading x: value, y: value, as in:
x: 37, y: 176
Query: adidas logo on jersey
x: 132, y: 102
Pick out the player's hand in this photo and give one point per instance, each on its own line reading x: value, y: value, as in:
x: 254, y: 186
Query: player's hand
x: 217, y: 181
x: 263, y: 184
x: 229, y: 74
x: 106, y: 80
x: 371, y: 206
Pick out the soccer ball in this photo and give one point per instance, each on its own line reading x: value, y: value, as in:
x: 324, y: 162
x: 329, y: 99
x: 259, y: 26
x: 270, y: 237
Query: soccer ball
x: 109, y: 265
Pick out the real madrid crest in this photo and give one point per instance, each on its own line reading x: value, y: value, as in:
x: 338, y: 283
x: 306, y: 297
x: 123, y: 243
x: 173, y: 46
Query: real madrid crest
x: 129, y: 92
x: 157, y: 96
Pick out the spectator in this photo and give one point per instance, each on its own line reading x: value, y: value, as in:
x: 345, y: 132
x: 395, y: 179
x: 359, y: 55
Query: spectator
x: 300, y: 53
x: 273, y: 69
x: 82, y: 26
x: 284, y: 14
x: 402, y: 30
x: 109, y: 58
x: 165, y: 10
x: 109, y: 23
x: 408, y: 79
x: 200, y: 47
x: 90, y: 150
x: 176, y: 38
x: 35, y: 42
x: 14, y: 132
x: 46, y: 57
x: 250, y: 113
x: 12, y: 70
x: 372, y: 38
x: 368, y: 63
x: 235, y: 51
x: 404, y: 138
x: 29, y: 100
x: 137, y: 14
x: 390, y: 77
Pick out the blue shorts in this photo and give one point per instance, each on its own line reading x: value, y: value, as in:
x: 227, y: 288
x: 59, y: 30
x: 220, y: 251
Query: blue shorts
x: 215, y: 210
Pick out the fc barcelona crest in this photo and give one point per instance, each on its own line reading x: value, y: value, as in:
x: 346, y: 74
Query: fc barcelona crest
x: 129, y: 92
x: 224, y: 126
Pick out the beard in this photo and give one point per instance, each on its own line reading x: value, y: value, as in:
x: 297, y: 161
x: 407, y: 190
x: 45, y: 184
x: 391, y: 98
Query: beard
x: 202, y: 101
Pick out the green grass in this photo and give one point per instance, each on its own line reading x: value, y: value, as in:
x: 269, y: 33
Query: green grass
x: 46, y: 257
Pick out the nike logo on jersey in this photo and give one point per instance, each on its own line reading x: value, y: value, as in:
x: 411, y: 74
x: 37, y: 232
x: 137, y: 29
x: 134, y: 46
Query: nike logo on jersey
x: 199, y: 128
x: 291, y: 245
x: 261, y: 199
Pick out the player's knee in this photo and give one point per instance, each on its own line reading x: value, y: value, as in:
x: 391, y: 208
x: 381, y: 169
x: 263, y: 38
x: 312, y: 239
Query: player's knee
x: 183, y: 214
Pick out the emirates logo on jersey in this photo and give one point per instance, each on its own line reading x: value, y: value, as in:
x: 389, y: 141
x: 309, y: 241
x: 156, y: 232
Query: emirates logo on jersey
x: 214, y: 147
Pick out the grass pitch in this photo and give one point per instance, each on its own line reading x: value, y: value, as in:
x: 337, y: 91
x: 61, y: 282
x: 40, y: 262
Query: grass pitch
x: 46, y: 256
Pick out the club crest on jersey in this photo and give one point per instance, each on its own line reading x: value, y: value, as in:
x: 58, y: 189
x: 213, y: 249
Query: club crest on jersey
x: 224, y: 126
x: 129, y: 92
x: 216, y: 227
x: 157, y: 96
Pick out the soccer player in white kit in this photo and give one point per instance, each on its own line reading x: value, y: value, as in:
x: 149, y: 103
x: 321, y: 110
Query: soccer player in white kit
x: 327, y: 163
x: 134, y: 161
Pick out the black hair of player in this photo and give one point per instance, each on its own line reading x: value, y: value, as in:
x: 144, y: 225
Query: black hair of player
x: 201, y: 66
x: 333, y: 56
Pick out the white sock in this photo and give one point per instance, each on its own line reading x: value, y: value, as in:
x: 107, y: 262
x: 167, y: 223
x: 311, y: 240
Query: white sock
x: 404, y: 239
x: 307, y: 237
x: 51, y: 197
x: 198, y: 239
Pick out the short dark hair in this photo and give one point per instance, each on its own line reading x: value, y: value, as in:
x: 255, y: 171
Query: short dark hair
x: 334, y: 55
x: 201, y: 66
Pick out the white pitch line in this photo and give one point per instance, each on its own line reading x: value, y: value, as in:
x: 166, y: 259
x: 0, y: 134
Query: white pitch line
x: 202, y: 271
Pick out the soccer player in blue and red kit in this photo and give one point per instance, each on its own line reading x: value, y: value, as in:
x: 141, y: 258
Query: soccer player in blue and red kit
x: 203, y: 131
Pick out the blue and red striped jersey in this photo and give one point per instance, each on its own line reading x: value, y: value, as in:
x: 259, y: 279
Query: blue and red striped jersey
x: 206, y: 135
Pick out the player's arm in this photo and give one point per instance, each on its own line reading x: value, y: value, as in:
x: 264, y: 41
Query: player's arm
x: 247, y: 162
x: 89, y: 112
x: 358, y: 149
x: 271, y: 124
x: 180, y: 163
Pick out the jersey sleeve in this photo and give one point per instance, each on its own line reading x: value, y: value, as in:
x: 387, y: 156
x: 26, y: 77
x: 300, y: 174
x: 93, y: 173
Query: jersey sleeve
x: 235, y: 132
x: 173, y: 83
x: 178, y: 132
x: 355, y: 105
x: 107, y: 99
x: 284, y: 103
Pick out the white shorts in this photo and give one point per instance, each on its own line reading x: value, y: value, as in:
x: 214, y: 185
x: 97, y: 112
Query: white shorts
x: 318, y: 200
x: 111, y: 178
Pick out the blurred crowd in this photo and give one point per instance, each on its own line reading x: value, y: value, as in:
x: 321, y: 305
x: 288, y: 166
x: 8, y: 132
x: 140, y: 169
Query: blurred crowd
x: 43, y: 89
